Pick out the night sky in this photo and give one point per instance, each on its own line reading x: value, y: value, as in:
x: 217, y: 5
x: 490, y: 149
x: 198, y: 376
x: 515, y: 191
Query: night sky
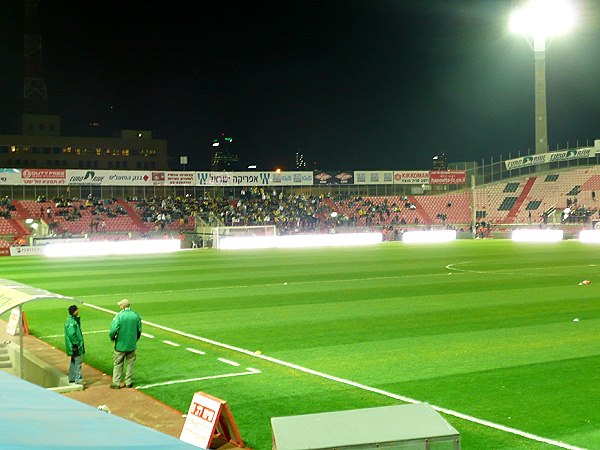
x: 351, y: 84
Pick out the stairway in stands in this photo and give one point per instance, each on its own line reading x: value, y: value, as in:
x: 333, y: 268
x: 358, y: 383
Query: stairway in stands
x: 135, y: 218
x: 510, y: 217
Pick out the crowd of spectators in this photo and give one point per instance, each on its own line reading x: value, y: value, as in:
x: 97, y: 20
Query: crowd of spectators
x: 254, y: 206
x: 289, y: 212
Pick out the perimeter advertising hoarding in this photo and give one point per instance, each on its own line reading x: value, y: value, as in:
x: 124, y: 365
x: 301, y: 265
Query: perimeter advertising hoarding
x: 373, y: 177
x: 173, y: 178
x: 109, y: 177
x: 411, y: 177
x: 43, y: 176
x: 254, y: 178
x: 447, y: 177
x: 333, y: 177
x: 545, y: 158
x: 10, y: 177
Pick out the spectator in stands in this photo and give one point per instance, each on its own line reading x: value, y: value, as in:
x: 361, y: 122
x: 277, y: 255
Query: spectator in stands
x: 74, y: 344
x: 125, y: 331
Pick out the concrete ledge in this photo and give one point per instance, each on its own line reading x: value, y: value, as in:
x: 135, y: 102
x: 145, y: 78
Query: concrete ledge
x: 39, y: 372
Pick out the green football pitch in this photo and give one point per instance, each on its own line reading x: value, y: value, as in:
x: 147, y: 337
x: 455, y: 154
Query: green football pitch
x: 501, y: 337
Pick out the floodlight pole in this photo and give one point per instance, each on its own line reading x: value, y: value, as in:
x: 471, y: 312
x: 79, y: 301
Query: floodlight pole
x: 541, y: 120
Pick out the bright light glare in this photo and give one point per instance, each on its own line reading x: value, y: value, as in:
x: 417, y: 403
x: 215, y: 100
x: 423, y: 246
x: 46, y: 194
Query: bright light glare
x: 543, y: 18
x: 428, y: 237
x: 589, y: 236
x: 537, y: 235
x: 105, y: 248
x: 300, y: 241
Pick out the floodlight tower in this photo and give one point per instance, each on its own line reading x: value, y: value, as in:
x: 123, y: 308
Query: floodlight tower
x: 541, y: 19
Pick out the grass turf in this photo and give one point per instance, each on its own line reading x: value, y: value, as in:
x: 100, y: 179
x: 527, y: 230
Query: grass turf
x: 484, y: 328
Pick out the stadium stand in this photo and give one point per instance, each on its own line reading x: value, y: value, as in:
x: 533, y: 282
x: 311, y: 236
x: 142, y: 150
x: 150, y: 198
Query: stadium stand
x: 528, y: 200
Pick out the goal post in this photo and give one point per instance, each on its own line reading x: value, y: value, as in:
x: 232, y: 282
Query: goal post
x: 219, y: 233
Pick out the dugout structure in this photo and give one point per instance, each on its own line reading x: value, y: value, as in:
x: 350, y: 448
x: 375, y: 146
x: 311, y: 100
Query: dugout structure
x: 223, y: 232
x: 399, y: 427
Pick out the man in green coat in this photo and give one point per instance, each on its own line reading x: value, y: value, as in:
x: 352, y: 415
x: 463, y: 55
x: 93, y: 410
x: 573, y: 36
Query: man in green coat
x: 74, y: 344
x: 125, y: 331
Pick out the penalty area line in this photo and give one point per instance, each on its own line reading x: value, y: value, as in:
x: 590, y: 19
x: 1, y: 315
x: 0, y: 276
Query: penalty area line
x: 249, y: 371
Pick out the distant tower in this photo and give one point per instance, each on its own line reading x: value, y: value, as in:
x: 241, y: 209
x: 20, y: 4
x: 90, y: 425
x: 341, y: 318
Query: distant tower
x: 35, y: 119
x: 223, y: 159
x: 35, y: 96
x: 438, y: 162
x: 300, y: 162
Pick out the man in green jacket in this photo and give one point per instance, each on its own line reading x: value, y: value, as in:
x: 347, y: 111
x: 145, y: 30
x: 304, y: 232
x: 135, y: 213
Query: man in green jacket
x: 74, y: 344
x: 125, y: 331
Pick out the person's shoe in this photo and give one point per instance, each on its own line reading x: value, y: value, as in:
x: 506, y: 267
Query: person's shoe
x: 115, y: 386
x: 129, y: 386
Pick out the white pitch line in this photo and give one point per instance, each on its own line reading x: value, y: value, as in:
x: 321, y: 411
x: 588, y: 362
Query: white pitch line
x: 197, y: 352
x: 226, y: 361
x: 402, y: 398
x: 171, y: 343
x: 265, y: 285
x: 149, y: 336
x: 62, y: 335
x: 190, y: 380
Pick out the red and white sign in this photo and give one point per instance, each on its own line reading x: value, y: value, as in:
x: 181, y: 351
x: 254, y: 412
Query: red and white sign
x: 173, y: 178
x: 448, y: 177
x: 44, y: 176
x: 201, y: 420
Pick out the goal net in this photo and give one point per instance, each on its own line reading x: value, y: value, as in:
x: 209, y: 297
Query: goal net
x: 219, y: 233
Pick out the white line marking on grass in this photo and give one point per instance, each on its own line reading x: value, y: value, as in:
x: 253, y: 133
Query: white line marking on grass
x: 197, y: 352
x: 369, y: 388
x: 148, y: 335
x: 226, y: 361
x: 266, y: 285
x: 62, y: 335
x: 190, y: 380
x: 171, y: 343
x: 402, y: 398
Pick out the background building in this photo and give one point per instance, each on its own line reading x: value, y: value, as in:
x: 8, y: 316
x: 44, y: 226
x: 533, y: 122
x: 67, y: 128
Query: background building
x: 40, y: 143
x: 42, y: 146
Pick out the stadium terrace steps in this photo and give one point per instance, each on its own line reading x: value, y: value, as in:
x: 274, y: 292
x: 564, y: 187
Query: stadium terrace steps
x: 5, y: 362
x: 135, y: 217
x: 522, y: 196
x: 21, y: 230
x: 22, y: 213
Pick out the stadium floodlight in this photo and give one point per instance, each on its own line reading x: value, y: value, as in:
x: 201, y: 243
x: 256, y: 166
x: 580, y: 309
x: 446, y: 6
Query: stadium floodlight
x: 589, y: 236
x: 106, y: 248
x: 529, y: 235
x: 541, y: 19
x: 300, y: 241
x: 428, y: 237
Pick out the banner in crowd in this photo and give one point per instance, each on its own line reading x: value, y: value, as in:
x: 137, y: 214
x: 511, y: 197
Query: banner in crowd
x: 411, y: 177
x: 254, y: 178
x: 374, y: 177
x: 332, y: 177
x: 447, y: 177
x: 545, y: 158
